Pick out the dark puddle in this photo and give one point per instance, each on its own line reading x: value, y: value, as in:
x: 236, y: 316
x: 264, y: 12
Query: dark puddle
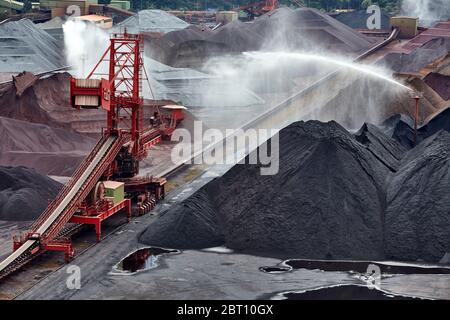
x: 276, y: 269
x: 345, y: 292
x: 362, y: 266
x: 142, y: 259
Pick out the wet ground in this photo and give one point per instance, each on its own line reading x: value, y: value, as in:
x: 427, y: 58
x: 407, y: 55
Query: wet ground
x: 141, y: 260
x: 48, y: 262
x: 383, y: 267
x: 220, y: 273
x: 344, y: 292
x: 213, y: 275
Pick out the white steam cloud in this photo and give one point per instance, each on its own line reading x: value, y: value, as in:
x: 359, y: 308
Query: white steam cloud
x: 428, y: 11
x: 273, y: 76
x: 84, y: 45
x: 358, y: 94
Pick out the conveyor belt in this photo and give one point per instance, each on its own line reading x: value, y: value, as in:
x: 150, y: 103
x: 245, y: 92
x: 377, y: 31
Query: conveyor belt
x: 61, y: 211
x: 40, y: 74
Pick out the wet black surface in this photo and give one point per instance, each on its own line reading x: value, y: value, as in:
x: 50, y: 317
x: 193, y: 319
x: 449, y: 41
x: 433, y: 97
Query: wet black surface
x: 362, y: 266
x: 347, y: 292
x: 276, y: 269
x: 142, y: 259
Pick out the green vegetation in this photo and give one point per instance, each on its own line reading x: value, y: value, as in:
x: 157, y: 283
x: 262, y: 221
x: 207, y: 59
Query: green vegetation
x: 187, y: 4
x: 329, y: 5
x: 326, y: 5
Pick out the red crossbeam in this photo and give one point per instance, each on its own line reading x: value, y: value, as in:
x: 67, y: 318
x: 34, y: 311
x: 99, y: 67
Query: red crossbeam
x: 98, y: 219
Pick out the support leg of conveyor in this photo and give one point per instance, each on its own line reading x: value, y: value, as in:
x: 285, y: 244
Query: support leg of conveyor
x: 69, y: 254
x: 98, y: 230
x: 61, y: 245
x: 129, y: 211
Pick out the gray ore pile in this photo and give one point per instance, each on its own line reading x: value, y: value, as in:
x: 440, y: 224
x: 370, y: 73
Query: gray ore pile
x: 337, y: 196
x: 24, y: 193
x: 151, y: 21
x: 26, y: 47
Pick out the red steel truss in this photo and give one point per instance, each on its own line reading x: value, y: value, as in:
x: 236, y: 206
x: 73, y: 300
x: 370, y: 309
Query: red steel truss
x: 117, y: 154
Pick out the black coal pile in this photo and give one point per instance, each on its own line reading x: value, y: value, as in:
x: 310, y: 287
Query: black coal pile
x: 401, y: 128
x: 418, y: 206
x: 176, y: 46
x: 385, y: 149
x: 440, y: 121
x: 193, y: 224
x: 299, y: 29
x: 336, y: 196
x: 327, y: 201
x: 24, y: 193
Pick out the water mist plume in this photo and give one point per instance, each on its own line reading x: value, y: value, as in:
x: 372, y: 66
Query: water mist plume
x: 364, y: 69
x: 428, y: 11
x: 84, y: 45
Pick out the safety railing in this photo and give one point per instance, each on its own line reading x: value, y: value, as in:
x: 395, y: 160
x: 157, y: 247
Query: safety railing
x: 66, y: 189
x: 68, y: 212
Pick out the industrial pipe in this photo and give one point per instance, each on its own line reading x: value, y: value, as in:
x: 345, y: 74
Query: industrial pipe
x: 416, y: 96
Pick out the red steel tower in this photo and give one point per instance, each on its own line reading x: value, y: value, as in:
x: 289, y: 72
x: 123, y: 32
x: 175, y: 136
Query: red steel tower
x: 120, y: 94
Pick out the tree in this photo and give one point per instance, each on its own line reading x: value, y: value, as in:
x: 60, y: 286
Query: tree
x: 366, y: 3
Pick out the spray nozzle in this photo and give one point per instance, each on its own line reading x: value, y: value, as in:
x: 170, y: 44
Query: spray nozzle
x: 416, y: 94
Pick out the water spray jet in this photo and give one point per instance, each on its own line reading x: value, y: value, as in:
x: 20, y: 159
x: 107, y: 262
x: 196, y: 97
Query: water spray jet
x: 365, y: 69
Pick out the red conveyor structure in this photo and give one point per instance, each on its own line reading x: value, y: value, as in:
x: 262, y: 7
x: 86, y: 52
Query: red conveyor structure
x: 124, y: 142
